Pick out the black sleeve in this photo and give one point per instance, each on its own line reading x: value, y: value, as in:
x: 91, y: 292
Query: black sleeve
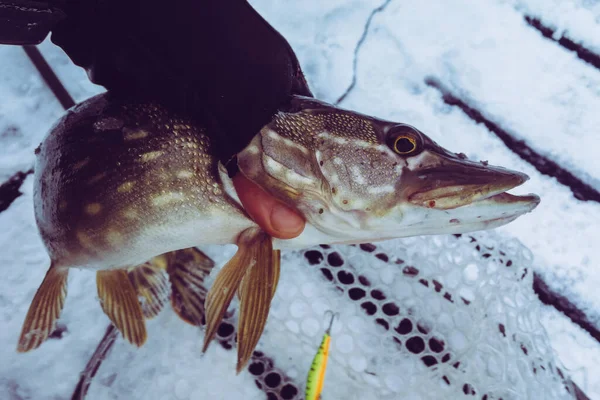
x: 28, y: 22
x: 215, y: 60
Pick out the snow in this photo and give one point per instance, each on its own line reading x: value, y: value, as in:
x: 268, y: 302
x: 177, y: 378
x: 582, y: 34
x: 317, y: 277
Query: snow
x: 72, y: 77
x: 170, y: 365
x: 579, y: 20
x: 564, y: 336
x: 23, y: 93
x: 483, y: 50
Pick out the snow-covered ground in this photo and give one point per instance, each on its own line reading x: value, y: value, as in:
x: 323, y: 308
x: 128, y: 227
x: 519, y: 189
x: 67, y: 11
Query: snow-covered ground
x: 579, y: 20
x: 484, y: 50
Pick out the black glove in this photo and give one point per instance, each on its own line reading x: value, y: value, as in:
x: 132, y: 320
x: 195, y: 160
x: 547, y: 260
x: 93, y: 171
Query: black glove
x: 215, y: 60
x: 28, y: 22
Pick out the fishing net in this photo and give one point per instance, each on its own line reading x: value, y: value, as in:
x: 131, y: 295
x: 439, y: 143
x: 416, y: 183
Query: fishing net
x: 420, y: 318
x: 443, y: 317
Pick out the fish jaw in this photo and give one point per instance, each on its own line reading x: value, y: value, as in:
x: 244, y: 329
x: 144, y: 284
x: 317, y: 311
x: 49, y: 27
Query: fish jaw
x: 482, y: 214
x: 412, y: 220
x: 346, y: 175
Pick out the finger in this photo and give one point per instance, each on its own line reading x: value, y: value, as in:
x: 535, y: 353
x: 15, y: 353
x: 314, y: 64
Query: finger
x: 274, y: 217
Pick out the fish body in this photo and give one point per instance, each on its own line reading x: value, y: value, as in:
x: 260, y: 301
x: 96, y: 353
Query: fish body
x: 119, y: 182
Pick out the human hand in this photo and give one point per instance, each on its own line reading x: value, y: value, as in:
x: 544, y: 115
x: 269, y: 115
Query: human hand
x: 274, y: 217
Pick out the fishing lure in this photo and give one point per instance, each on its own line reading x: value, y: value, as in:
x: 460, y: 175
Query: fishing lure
x: 316, y: 375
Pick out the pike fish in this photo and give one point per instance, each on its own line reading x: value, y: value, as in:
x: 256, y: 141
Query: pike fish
x: 120, y: 182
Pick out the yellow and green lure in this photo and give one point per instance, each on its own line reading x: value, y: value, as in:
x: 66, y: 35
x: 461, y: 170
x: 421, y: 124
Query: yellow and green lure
x: 316, y: 375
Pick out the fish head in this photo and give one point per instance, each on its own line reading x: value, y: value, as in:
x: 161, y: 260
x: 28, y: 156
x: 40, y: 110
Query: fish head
x: 357, y: 178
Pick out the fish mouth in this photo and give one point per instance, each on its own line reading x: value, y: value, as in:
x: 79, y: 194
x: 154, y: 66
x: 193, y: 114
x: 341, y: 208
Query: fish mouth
x: 468, y: 183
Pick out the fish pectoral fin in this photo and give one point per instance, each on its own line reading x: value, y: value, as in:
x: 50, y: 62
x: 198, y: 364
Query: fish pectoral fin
x: 187, y: 270
x: 228, y: 280
x: 256, y: 292
x: 277, y: 260
x: 151, y: 285
x: 44, y: 310
x: 120, y: 303
x: 276, y: 267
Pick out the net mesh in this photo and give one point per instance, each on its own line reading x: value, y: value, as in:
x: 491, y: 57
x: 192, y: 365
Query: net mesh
x: 441, y: 317
x: 420, y: 318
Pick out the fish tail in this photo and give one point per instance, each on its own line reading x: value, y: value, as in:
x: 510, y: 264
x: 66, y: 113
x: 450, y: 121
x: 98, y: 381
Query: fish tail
x: 151, y: 285
x: 44, y: 310
x: 120, y: 303
x: 187, y: 270
x: 256, y: 292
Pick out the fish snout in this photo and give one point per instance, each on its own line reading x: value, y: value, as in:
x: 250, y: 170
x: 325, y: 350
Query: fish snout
x: 457, y: 182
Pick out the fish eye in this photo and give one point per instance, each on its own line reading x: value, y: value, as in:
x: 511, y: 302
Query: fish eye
x: 405, y: 145
x: 404, y: 140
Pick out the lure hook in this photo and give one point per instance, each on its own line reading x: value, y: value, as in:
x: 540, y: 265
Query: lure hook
x: 333, y: 316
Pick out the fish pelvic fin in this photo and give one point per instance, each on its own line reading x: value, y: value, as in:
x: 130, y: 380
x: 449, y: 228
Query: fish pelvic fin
x: 44, y: 310
x: 120, y: 303
x: 187, y: 270
x: 256, y: 292
x: 151, y: 285
x: 228, y: 281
